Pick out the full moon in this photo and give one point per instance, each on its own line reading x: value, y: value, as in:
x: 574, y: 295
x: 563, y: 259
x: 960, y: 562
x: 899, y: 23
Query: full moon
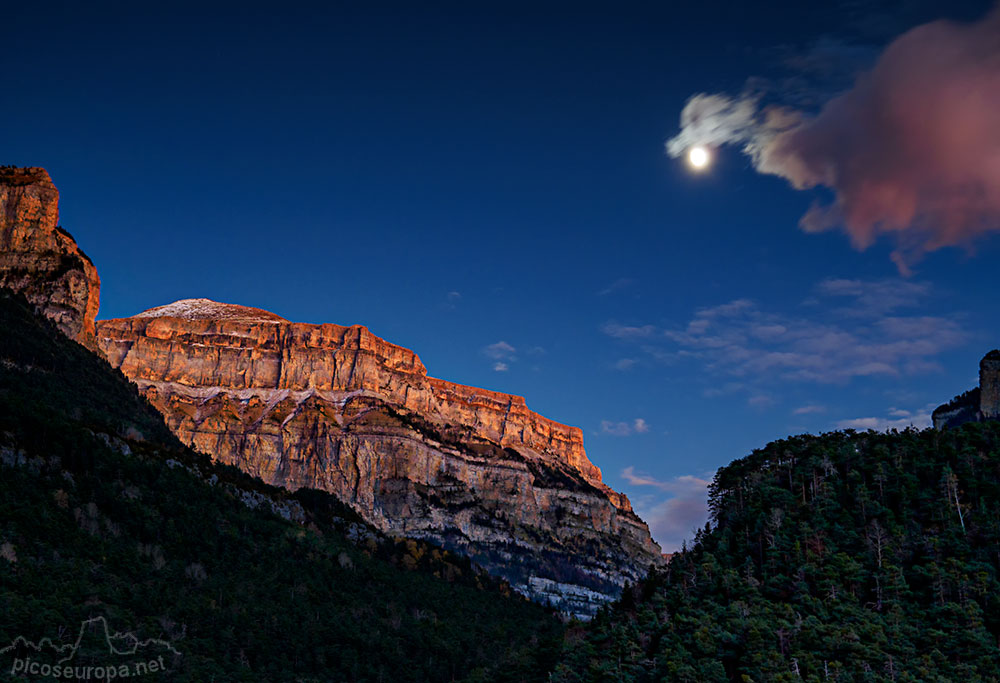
x: 698, y: 156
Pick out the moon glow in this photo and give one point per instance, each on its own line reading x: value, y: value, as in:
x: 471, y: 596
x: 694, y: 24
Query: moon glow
x: 699, y: 157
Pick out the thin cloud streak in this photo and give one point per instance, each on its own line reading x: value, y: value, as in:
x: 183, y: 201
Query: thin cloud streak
x: 860, y: 337
x: 617, y: 286
x: 898, y: 418
x: 636, y: 426
x: 613, y: 329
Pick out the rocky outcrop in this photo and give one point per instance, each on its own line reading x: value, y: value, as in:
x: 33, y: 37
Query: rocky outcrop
x: 339, y: 409
x: 41, y: 260
x: 977, y: 404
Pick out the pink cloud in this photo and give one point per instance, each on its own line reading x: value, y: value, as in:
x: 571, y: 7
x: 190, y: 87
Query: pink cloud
x: 912, y: 150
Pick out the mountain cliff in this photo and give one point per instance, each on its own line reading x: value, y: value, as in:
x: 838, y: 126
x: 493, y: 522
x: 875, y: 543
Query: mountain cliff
x: 41, y: 260
x: 106, y: 516
x: 339, y: 409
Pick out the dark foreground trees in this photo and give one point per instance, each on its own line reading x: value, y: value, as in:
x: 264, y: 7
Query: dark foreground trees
x: 840, y: 557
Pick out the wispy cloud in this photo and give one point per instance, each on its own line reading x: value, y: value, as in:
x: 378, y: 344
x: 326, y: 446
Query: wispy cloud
x: 500, y: 349
x: 875, y: 298
x: 636, y: 426
x: 613, y: 329
x: 674, y: 519
x: 681, y: 484
x: 451, y: 300
x: 897, y: 418
x: 502, y: 353
x: 617, y: 286
x: 851, y: 333
x: 810, y: 409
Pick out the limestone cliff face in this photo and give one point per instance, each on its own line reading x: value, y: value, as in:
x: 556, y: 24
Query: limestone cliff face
x: 977, y: 404
x: 338, y: 408
x: 41, y: 260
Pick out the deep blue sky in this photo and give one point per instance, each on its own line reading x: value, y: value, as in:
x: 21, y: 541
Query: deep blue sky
x: 494, y: 172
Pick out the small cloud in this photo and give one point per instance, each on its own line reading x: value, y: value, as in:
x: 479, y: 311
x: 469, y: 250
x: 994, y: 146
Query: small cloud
x: 634, y: 479
x: 897, y: 419
x: 615, y: 428
x: 726, y: 310
x: 502, y: 353
x: 451, y: 300
x: 760, y: 401
x: 879, y: 424
x: 726, y: 389
x: 613, y: 329
x: 636, y: 426
x: 500, y: 350
x: 681, y: 484
x: 536, y: 351
x: 767, y: 332
x: 624, y: 364
x: 617, y: 286
x: 809, y: 409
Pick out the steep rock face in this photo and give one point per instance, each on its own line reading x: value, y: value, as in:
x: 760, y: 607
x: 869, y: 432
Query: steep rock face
x: 977, y: 404
x: 337, y: 408
x: 40, y: 259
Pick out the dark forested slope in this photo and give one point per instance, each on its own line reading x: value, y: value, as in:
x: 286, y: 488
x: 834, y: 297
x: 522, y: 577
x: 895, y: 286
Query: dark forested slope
x: 840, y: 557
x: 104, y: 514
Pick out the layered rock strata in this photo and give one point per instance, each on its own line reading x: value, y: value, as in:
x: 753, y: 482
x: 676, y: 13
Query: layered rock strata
x: 339, y: 409
x: 41, y: 260
x: 977, y: 404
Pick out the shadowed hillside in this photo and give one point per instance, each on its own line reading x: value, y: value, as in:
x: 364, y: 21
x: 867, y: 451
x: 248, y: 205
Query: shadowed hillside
x: 840, y: 557
x: 104, y: 514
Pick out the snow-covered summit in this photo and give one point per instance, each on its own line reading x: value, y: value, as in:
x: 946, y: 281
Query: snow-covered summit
x: 206, y: 309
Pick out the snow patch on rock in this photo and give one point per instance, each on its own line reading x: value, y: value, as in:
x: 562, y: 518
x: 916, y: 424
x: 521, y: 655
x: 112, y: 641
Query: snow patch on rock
x: 206, y: 309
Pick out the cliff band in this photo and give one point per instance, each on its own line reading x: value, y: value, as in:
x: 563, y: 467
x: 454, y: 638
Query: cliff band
x: 337, y: 408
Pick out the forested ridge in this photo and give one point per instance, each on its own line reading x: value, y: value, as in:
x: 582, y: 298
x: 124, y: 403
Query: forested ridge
x: 840, y: 557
